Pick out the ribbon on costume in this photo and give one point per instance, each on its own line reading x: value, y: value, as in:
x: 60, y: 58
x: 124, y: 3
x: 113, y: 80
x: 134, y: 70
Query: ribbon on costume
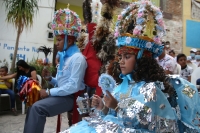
x: 124, y: 85
x: 67, y: 52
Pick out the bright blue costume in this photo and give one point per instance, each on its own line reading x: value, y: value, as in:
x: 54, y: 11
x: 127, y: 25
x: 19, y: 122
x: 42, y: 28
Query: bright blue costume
x: 143, y: 106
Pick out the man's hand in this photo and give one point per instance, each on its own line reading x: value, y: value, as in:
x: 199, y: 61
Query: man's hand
x: 43, y: 93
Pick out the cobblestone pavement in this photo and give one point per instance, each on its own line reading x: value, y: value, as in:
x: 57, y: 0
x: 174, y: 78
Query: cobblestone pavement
x: 15, y: 124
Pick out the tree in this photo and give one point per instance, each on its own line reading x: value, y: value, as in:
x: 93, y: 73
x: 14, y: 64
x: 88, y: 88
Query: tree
x: 20, y: 13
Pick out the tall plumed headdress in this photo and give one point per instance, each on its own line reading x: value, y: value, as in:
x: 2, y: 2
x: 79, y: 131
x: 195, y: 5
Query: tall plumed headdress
x: 96, y: 7
x: 66, y: 22
x: 141, y: 26
x: 101, y: 42
x: 103, y: 39
x: 92, y: 16
x: 87, y: 14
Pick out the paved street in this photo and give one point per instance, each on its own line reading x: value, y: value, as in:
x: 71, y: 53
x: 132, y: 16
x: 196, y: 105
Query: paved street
x: 15, y: 124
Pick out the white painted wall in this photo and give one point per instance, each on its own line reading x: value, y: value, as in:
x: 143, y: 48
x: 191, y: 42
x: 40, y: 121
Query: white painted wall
x: 30, y: 39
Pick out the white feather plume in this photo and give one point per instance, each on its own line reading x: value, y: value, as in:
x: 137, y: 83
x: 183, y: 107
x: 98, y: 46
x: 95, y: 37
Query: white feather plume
x: 96, y: 6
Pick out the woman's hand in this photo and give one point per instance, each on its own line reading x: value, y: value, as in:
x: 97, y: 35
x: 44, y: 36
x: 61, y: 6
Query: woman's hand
x: 110, y: 101
x: 97, y: 102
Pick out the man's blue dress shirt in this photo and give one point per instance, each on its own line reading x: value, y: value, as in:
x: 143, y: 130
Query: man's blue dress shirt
x: 72, y: 78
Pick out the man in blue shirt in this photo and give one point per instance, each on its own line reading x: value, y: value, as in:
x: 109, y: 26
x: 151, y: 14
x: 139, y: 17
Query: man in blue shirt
x: 69, y: 77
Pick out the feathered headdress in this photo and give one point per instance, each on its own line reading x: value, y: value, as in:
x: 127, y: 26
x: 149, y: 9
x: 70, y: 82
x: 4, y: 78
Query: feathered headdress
x: 82, y: 39
x: 96, y: 6
x: 103, y: 39
x: 101, y: 43
x: 87, y: 14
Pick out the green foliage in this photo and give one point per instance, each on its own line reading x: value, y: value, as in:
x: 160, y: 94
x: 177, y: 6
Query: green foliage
x: 21, y: 12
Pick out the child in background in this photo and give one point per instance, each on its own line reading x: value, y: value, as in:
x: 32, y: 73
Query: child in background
x: 186, y: 70
x: 5, y: 86
x: 172, y: 53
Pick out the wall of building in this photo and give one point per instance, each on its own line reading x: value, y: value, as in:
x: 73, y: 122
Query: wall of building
x: 30, y: 39
x: 173, y: 20
x: 186, y: 16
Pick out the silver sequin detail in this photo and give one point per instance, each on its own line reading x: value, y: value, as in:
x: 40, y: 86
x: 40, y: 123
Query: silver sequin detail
x: 149, y: 92
x: 188, y: 91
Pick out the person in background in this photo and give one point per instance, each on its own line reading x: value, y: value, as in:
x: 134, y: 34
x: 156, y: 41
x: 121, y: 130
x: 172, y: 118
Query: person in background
x: 197, y: 58
x: 23, y: 69
x: 191, y: 58
x: 167, y: 62
x: 5, y: 88
x: 172, y: 53
x: 167, y: 46
x: 186, y: 70
x: 198, y: 52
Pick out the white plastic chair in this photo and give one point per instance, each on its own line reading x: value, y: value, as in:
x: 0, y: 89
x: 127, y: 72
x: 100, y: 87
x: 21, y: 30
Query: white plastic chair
x: 39, y: 79
x: 6, y: 95
x: 195, y: 75
x: 194, y: 66
x: 40, y: 82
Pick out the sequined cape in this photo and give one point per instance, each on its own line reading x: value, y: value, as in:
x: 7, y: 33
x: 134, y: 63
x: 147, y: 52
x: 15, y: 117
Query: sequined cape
x: 147, y: 110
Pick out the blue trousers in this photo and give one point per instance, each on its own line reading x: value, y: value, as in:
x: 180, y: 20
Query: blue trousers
x: 11, y: 94
x: 48, y: 107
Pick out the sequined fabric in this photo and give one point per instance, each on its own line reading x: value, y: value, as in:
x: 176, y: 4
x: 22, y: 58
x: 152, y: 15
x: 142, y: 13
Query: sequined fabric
x: 133, y: 115
x: 144, y: 108
x: 188, y: 91
x: 149, y: 92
